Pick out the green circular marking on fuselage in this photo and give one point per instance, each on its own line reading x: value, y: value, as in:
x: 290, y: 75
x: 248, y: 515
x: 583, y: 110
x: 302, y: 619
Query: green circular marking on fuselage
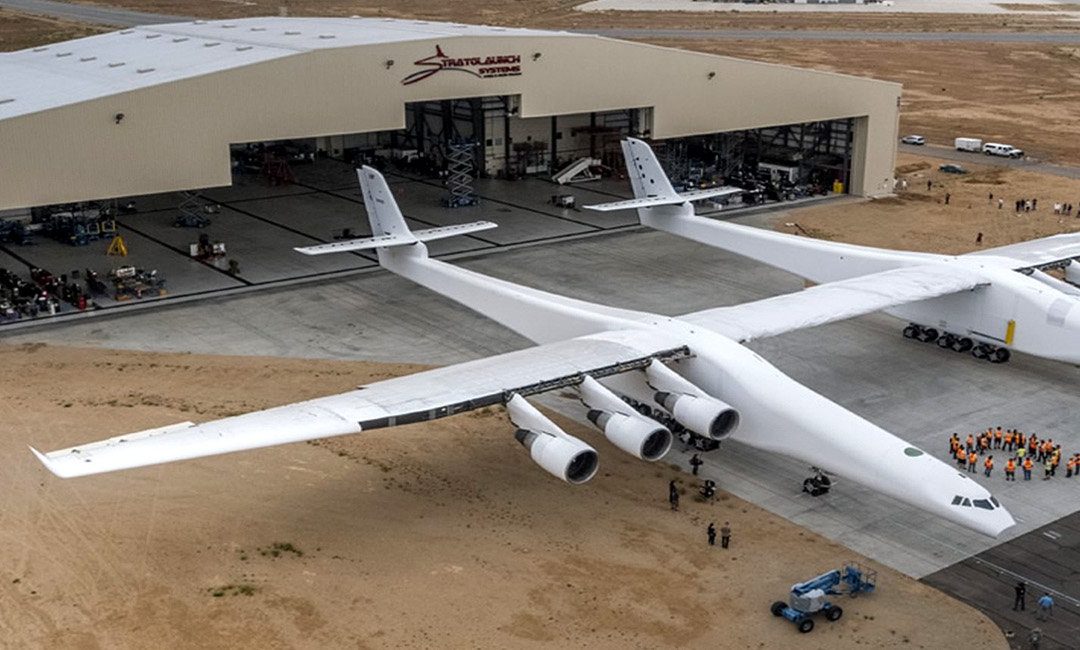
x: 913, y: 452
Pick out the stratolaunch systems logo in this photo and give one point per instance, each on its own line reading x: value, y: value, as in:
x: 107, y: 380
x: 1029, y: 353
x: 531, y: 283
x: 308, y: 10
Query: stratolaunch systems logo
x: 484, y: 67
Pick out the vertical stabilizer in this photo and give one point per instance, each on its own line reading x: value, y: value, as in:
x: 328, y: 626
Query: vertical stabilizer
x: 646, y: 175
x: 382, y: 209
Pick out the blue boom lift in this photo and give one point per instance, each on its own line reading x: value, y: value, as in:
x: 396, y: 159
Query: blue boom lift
x: 810, y: 597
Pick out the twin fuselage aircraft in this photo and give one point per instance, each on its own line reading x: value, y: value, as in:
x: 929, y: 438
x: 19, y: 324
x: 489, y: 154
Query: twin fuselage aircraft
x: 641, y: 375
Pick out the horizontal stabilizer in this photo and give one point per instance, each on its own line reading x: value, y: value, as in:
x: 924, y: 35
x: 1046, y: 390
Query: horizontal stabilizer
x: 654, y: 201
x: 401, y: 239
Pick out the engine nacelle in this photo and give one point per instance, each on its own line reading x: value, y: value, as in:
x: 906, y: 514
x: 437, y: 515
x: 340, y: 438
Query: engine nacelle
x: 634, y: 434
x: 622, y: 426
x: 559, y: 453
x: 702, y: 414
x: 1072, y: 273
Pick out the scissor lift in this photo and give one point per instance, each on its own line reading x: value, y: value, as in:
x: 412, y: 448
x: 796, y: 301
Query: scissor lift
x: 810, y: 597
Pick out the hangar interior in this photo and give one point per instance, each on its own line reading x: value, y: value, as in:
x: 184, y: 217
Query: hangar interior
x: 217, y: 169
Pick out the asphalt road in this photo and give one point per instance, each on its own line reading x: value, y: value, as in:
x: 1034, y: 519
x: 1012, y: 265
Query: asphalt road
x: 90, y: 13
x: 1047, y: 559
x: 837, y: 35
x: 126, y: 18
x: 949, y: 153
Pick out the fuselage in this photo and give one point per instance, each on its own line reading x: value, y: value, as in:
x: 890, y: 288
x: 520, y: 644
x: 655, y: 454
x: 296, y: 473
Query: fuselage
x: 1032, y: 313
x: 778, y: 414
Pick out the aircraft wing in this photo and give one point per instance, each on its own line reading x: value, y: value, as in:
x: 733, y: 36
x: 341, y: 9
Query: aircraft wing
x: 403, y: 400
x: 1040, y: 253
x: 834, y: 301
x: 676, y: 199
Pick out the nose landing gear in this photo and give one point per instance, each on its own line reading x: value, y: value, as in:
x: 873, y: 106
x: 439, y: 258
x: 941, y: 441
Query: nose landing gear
x: 991, y: 353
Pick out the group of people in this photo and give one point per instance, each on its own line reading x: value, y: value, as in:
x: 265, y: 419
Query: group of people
x: 1022, y: 205
x: 1025, y: 451
x: 707, y: 491
x: 1064, y: 209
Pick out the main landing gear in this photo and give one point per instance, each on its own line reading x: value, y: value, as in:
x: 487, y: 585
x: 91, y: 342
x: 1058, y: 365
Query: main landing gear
x: 991, y: 353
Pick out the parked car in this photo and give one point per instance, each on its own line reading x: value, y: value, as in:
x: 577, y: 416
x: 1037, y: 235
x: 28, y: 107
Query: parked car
x: 950, y: 168
x: 913, y: 139
x: 1006, y: 150
x: 968, y: 144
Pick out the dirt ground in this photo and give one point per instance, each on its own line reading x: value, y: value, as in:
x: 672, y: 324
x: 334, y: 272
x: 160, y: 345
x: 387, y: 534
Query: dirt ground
x: 917, y: 219
x: 434, y: 535
x: 560, y: 13
x: 1021, y: 93
x: 19, y: 31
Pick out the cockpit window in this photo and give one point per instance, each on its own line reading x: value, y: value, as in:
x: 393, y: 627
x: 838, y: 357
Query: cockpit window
x: 979, y: 503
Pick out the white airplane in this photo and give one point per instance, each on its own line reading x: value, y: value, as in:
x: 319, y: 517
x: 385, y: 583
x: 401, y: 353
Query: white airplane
x: 680, y: 371
x: 1000, y: 299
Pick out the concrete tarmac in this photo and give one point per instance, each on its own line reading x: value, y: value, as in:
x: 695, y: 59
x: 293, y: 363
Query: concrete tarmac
x: 920, y: 392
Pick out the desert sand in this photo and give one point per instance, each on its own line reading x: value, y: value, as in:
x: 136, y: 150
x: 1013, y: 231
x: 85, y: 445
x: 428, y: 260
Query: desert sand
x: 917, y: 219
x: 438, y: 535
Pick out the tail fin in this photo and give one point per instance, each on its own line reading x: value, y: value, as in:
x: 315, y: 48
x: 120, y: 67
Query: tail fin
x: 388, y: 227
x: 651, y: 185
x: 383, y: 213
x: 646, y: 175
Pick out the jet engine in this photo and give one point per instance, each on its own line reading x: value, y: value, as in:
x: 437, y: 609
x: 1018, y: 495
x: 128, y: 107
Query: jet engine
x: 631, y: 432
x: 704, y: 415
x: 559, y: 453
x: 689, y: 405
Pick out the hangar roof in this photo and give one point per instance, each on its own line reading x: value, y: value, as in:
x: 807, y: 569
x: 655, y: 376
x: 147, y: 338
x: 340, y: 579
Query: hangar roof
x: 65, y: 73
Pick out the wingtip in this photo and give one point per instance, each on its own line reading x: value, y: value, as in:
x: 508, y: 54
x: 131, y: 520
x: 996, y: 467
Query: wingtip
x: 49, y: 465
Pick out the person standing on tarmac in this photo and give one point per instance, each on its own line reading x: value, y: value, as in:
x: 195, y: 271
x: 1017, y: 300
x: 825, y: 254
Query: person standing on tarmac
x: 973, y: 461
x: 1010, y: 469
x: 1021, y: 592
x: 1028, y: 465
x: 711, y: 532
x: 988, y: 466
x: 695, y: 463
x: 673, y: 495
x: 725, y: 534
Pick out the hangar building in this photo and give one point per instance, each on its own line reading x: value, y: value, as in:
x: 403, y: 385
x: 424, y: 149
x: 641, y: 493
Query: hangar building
x: 158, y: 108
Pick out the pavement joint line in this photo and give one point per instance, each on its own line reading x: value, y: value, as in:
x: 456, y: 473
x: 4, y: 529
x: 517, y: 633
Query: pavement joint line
x: 295, y: 231
x: 184, y: 253
x: 334, y: 194
x: 1075, y: 602
x: 525, y: 208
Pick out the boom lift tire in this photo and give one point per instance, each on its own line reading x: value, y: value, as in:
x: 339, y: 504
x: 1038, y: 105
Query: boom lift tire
x: 834, y: 613
x: 806, y: 625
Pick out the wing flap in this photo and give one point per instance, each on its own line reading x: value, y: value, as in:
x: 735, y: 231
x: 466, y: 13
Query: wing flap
x: 654, y: 201
x: 835, y: 301
x: 401, y: 239
x: 1039, y: 253
x: 403, y: 400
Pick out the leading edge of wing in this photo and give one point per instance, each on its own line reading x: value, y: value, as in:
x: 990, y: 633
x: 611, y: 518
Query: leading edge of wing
x: 413, y: 398
x: 835, y: 301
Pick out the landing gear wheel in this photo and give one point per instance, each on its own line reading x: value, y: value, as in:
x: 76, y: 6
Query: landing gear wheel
x: 1000, y: 355
x: 777, y: 608
x: 964, y: 345
x: 946, y: 341
x: 911, y: 331
x: 981, y: 351
x: 928, y: 335
x: 834, y: 613
x: 806, y: 625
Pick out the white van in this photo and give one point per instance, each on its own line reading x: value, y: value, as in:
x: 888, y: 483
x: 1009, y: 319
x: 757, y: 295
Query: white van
x: 997, y: 149
x: 968, y: 144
